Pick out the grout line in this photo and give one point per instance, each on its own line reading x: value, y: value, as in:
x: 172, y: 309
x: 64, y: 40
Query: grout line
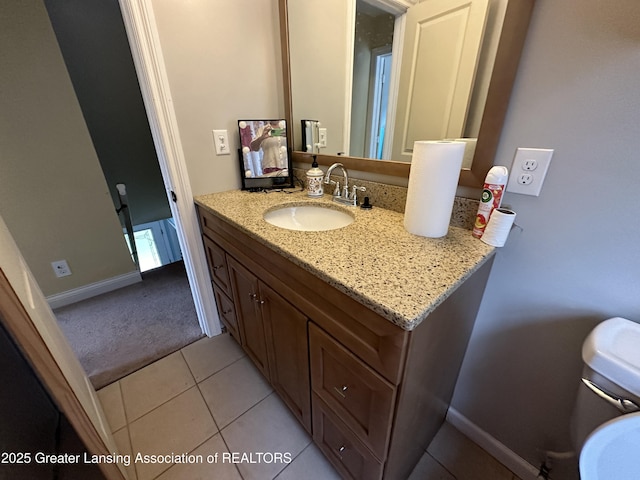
x: 223, y: 368
x: 184, y: 359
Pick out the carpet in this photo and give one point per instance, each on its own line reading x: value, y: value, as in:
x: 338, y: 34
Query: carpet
x: 122, y: 331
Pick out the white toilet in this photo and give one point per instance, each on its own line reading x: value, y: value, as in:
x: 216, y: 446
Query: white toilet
x: 606, y: 418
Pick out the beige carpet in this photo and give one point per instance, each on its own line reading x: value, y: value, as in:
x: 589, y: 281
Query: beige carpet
x: 122, y: 331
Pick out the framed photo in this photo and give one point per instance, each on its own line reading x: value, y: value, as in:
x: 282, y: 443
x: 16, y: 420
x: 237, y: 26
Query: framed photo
x: 265, y: 161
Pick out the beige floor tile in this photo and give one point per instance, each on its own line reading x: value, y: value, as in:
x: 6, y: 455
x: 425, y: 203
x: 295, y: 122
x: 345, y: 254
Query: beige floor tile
x: 209, y: 467
x: 177, y: 427
x: 463, y: 458
x: 210, y: 355
x: 269, y: 428
x: 111, y: 400
x: 123, y: 443
x: 155, y: 384
x: 234, y: 390
x: 310, y: 465
x: 429, y: 469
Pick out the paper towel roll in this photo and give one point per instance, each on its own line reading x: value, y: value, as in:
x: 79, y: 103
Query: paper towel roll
x: 498, y: 227
x: 433, y: 179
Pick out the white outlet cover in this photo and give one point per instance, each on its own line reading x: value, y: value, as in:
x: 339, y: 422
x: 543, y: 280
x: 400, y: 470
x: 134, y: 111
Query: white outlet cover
x: 522, y: 164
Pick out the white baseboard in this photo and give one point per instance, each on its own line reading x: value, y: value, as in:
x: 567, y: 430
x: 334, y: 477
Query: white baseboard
x: 91, y: 290
x: 499, y: 451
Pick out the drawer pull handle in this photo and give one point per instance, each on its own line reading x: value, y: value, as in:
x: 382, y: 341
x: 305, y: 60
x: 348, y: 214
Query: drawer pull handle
x: 341, y: 391
x: 226, y: 312
x: 218, y: 267
x: 340, y: 451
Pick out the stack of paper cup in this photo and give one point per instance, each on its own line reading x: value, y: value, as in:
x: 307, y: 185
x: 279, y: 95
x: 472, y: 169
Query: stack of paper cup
x: 499, y: 226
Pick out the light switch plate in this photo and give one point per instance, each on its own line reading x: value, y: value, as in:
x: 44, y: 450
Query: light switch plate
x: 528, y: 171
x: 221, y: 141
x: 322, y: 140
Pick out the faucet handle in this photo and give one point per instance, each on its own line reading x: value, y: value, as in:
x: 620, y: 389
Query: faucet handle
x: 336, y: 191
x: 354, y: 193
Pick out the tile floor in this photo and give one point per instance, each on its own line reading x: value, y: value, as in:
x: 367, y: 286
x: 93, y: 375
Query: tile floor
x: 208, y: 398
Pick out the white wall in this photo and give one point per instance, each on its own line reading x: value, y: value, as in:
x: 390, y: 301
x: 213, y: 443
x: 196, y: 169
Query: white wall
x: 577, y: 260
x: 322, y: 60
x: 223, y: 63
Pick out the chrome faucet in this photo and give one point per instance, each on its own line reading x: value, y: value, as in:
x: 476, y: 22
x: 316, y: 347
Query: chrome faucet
x: 342, y: 196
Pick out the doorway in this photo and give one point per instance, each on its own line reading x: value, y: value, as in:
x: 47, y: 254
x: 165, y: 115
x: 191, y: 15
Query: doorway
x: 93, y: 41
x: 379, y: 100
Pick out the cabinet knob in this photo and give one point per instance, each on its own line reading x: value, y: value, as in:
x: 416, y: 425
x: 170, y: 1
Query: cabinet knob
x: 340, y: 451
x: 217, y: 267
x: 253, y: 296
x: 342, y: 391
x: 226, y: 312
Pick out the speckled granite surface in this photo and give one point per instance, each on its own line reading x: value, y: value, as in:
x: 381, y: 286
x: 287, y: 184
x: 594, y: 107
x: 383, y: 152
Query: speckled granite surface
x: 400, y: 276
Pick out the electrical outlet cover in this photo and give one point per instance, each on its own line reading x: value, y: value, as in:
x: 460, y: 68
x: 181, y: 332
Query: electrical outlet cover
x: 528, y: 171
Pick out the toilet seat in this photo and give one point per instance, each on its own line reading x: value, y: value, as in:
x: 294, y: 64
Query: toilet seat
x: 612, y: 451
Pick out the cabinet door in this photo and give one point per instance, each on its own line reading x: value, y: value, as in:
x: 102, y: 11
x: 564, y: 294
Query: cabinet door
x: 217, y: 261
x: 286, y: 329
x: 246, y: 297
x: 227, y: 312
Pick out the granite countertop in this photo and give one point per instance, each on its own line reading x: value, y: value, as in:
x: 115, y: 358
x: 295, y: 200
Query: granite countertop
x: 401, y: 276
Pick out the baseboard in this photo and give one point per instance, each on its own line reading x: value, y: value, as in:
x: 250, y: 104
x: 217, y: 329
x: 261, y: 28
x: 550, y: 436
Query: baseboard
x: 91, y: 290
x: 499, y: 451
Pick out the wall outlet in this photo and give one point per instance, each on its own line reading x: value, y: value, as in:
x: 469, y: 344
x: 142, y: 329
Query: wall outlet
x: 61, y: 268
x: 529, y: 168
x: 221, y: 141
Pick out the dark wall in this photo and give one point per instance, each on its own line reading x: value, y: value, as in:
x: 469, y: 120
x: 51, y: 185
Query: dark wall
x: 95, y: 48
x: 31, y: 423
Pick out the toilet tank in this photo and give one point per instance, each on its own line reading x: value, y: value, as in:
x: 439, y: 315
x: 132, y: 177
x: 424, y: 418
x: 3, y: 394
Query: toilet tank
x: 611, y: 354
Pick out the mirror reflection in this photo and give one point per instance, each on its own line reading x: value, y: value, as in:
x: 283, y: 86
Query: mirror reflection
x: 264, y: 155
x: 385, y: 76
x: 264, y: 148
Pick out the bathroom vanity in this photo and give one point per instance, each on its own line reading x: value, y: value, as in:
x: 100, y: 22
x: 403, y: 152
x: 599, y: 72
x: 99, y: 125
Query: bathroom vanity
x: 360, y: 330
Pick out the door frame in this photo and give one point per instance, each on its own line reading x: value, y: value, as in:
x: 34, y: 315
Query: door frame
x: 145, y: 47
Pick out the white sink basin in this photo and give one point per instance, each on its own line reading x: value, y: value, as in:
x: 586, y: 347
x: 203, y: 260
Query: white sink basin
x: 308, y: 218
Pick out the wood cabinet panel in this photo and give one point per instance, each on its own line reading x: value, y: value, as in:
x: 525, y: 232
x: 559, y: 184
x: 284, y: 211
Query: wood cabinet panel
x: 342, y: 448
x: 246, y: 299
x: 362, y: 399
x: 286, y: 331
x: 217, y: 261
x: 227, y: 312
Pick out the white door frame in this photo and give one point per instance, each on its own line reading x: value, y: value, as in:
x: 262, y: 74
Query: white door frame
x: 145, y: 47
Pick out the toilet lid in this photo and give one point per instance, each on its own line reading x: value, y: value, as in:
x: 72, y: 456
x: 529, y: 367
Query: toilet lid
x: 612, y: 451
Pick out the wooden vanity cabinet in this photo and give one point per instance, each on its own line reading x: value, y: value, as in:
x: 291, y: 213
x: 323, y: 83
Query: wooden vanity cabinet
x: 217, y: 263
x: 371, y: 394
x: 274, y: 336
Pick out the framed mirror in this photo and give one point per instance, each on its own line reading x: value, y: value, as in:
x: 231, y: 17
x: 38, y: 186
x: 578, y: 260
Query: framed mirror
x: 264, y: 154
x: 352, y: 32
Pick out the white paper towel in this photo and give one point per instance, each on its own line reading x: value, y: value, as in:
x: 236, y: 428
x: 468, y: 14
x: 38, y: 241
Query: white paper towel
x: 498, y: 227
x: 433, y: 179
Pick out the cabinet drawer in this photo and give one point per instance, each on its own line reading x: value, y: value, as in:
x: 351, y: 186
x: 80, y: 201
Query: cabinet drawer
x: 359, y: 396
x: 217, y: 261
x: 227, y: 312
x: 343, y: 449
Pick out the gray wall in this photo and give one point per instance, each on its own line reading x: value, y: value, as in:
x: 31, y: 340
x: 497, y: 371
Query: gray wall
x: 577, y: 260
x: 94, y: 45
x: 53, y: 195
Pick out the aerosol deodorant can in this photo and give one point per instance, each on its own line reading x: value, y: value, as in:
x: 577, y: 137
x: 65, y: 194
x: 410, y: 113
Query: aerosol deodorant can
x: 492, y: 190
